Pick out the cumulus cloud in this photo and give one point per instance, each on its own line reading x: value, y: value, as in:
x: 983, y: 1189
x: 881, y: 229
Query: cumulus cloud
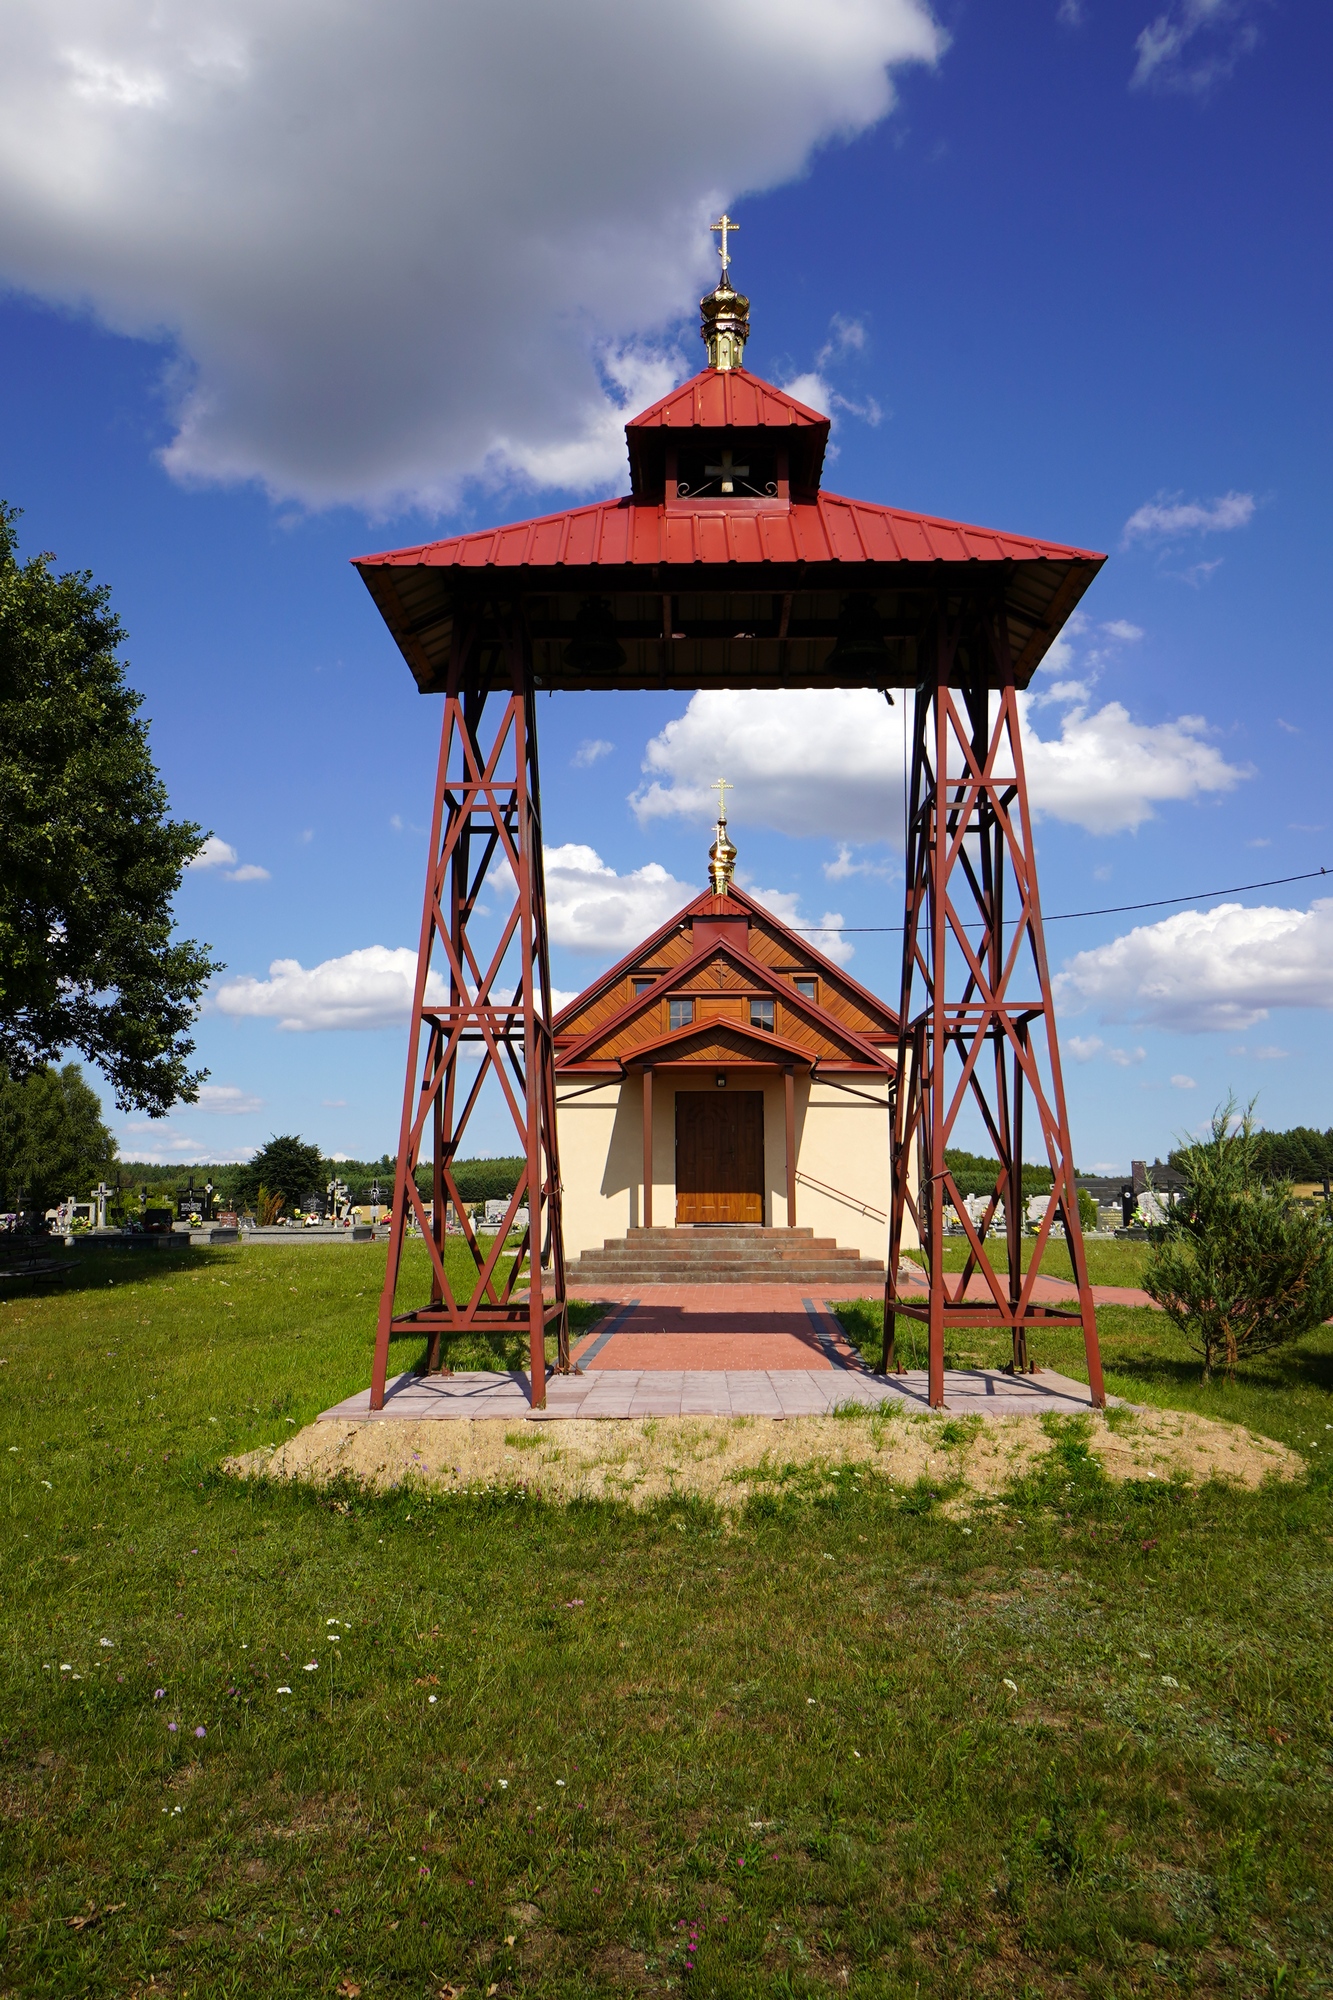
x: 1224, y: 968
x: 217, y: 853
x: 590, y: 752
x: 160, y: 1143
x: 830, y: 761
x: 1108, y: 774
x: 1194, y: 45
x: 592, y: 909
x: 384, y: 241
x: 370, y: 988
x: 1168, y: 518
x: 1182, y: 1082
x: 227, y: 1099
x: 805, y: 761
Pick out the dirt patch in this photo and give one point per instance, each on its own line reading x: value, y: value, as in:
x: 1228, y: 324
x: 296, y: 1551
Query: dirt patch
x: 727, y: 1460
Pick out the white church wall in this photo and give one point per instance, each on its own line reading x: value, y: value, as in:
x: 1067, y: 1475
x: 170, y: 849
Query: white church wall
x: 842, y: 1157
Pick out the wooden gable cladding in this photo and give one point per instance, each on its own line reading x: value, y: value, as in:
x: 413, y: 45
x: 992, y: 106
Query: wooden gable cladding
x: 720, y: 956
x: 718, y: 985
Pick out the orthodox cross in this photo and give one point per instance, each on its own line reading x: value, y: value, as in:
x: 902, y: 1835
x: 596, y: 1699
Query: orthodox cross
x: 722, y: 787
x: 726, y: 472
x: 725, y: 224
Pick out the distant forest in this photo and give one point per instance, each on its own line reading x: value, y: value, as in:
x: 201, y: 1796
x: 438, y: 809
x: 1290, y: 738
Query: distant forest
x: 478, y: 1180
x: 1302, y: 1154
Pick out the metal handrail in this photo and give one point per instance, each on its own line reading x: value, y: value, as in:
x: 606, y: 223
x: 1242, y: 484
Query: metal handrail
x: 862, y: 1207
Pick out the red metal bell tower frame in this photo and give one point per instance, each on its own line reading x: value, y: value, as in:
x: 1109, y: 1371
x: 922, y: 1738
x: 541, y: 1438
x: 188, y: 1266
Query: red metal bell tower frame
x: 495, y: 1023
x: 976, y: 1020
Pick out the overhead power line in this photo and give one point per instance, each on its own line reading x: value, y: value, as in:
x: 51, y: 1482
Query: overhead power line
x: 1110, y: 910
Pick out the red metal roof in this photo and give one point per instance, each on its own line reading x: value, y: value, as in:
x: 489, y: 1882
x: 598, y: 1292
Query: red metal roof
x: 717, y: 399
x: 624, y: 534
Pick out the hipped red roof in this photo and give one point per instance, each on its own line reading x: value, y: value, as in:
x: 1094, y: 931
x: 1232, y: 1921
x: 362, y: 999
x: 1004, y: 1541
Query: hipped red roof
x: 631, y: 534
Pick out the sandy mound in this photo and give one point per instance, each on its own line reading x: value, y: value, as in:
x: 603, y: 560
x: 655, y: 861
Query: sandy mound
x: 727, y: 1459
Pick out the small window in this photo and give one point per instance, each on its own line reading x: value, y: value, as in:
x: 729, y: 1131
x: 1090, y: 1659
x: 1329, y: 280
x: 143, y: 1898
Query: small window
x: 642, y: 985
x: 761, y: 1014
x: 680, y: 1013
x: 807, y: 988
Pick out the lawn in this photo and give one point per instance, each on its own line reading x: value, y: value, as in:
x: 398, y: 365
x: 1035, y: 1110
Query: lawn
x: 1117, y: 1263
x: 861, y: 1741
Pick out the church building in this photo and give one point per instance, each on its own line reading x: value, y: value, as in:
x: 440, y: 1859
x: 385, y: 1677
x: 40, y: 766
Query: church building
x: 725, y: 1072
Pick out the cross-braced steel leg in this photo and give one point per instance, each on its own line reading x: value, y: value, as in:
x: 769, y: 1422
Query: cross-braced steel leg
x: 977, y: 1023
x: 494, y: 1026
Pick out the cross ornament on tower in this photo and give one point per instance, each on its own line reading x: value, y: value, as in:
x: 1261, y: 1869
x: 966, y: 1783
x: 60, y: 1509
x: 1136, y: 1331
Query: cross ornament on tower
x: 722, y: 787
x: 724, y: 225
x: 728, y: 473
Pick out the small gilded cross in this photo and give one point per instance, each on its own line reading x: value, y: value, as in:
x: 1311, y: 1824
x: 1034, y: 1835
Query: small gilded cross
x: 722, y: 787
x: 724, y: 225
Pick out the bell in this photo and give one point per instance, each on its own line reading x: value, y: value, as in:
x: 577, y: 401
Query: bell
x: 594, y: 647
x: 861, y: 647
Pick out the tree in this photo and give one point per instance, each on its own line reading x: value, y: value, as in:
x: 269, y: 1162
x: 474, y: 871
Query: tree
x: 89, y: 862
x: 53, y: 1143
x: 1242, y: 1268
x: 286, y: 1168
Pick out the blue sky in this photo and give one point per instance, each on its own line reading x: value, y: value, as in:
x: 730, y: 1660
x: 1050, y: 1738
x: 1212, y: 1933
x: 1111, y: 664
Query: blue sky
x: 1060, y: 268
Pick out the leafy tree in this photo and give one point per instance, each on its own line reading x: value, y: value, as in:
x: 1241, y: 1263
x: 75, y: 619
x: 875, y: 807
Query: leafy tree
x: 89, y: 862
x: 53, y: 1142
x: 1242, y: 1267
x: 286, y: 1168
x: 974, y: 1173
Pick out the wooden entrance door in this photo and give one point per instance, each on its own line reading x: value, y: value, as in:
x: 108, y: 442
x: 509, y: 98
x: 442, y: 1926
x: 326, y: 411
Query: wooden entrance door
x: 719, y: 1155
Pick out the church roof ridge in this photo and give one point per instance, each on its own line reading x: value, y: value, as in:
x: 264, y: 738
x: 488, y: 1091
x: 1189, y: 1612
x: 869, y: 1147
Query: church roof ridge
x: 728, y: 399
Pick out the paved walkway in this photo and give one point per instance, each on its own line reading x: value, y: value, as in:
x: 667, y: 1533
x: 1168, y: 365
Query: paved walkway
x: 708, y: 1392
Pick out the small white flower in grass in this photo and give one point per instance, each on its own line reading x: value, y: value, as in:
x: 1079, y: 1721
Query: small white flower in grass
x: 503, y: 1783
x: 106, y: 1642
x: 49, y: 1487
x: 1011, y: 1685
x: 312, y: 1666
x: 284, y: 1690
x: 810, y: 1701
x: 64, y: 1666
x: 433, y: 1699
x: 857, y: 1755
x: 560, y: 1781
x: 1170, y: 1681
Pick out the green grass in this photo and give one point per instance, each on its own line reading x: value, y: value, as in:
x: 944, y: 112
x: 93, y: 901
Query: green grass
x: 1119, y: 1263
x: 792, y: 1738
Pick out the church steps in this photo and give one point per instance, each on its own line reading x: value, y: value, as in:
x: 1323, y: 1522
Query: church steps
x: 746, y: 1255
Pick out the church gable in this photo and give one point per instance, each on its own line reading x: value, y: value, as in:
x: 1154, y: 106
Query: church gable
x: 750, y: 989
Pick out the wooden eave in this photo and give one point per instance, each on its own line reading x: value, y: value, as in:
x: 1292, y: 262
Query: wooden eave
x: 772, y: 1051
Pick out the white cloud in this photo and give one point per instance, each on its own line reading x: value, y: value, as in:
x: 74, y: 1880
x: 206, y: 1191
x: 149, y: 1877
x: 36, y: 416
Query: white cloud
x: 384, y: 240
x: 805, y: 761
x: 1224, y: 968
x: 826, y: 936
x: 1194, y: 45
x: 169, y: 1146
x: 214, y: 853
x: 1168, y: 517
x: 1126, y: 1058
x: 370, y: 988
x: 845, y: 865
x: 1083, y: 1047
x: 592, y: 909
x: 590, y: 752
x: 227, y: 1099
x: 217, y: 853
x: 1182, y: 1082
x: 1120, y: 628
x: 1107, y: 773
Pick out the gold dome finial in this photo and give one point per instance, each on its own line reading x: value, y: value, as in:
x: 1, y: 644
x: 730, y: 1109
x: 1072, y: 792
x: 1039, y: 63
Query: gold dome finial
x: 726, y: 313
x: 721, y: 855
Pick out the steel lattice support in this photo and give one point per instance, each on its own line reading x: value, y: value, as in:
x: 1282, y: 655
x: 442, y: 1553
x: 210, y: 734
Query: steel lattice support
x: 977, y: 1023
x: 495, y: 1025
